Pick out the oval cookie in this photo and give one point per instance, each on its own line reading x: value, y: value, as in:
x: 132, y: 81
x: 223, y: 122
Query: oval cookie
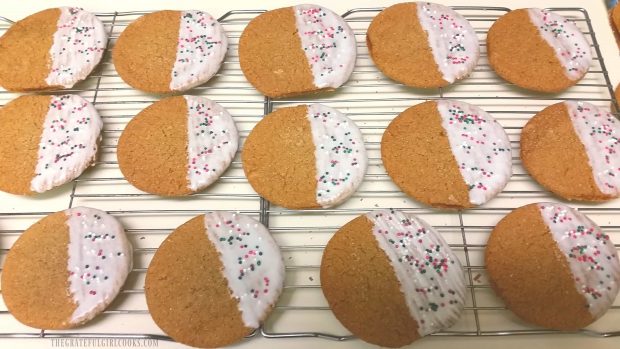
x: 538, y: 50
x: 308, y: 156
x: 223, y: 271
x: 66, y: 268
x: 571, y: 148
x: 553, y: 266
x: 296, y: 50
x: 177, y: 146
x: 48, y: 141
x: 422, y: 44
x: 391, y: 279
x: 51, y: 49
x: 447, y: 153
x: 169, y: 51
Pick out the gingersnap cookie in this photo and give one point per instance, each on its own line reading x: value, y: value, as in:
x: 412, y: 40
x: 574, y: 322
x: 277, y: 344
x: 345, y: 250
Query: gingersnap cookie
x: 177, y: 146
x: 170, y: 51
x: 296, y: 50
x: 422, y: 44
x: 51, y: 49
x: 391, y: 279
x: 553, y: 266
x: 538, y: 50
x: 447, y: 153
x: 66, y: 268
x: 47, y: 141
x: 571, y: 149
x: 308, y: 156
x: 221, y: 270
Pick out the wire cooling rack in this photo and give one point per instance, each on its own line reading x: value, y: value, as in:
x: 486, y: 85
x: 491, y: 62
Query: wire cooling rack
x: 372, y: 101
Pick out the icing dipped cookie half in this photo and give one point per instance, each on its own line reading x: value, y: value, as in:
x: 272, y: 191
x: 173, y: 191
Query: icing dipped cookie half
x: 553, y: 266
x: 223, y: 271
x: 51, y: 49
x: 66, y: 268
x: 447, y: 154
x: 308, y: 156
x: 538, y: 50
x: 177, y: 146
x: 170, y: 51
x: 297, y: 50
x: 423, y: 44
x: 571, y: 148
x: 391, y: 279
x: 47, y: 141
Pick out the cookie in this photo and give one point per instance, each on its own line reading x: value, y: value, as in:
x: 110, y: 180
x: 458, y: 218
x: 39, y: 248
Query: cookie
x: 222, y: 271
x: 177, y: 146
x: 47, y: 141
x: 571, y: 149
x: 614, y: 21
x: 308, y: 156
x: 296, y: 50
x: 422, y: 44
x: 51, y: 49
x: 538, y: 50
x: 391, y: 279
x: 170, y: 51
x: 66, y: 268
x: 447, y: 154
x: 553, y: 266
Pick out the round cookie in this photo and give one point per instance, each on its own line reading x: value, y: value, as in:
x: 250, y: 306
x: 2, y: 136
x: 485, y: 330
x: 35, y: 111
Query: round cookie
x: 177, y: 146
x: 66, y: 268
x: 221, y: 270
x: 308, y: 156
x: 47, y: 141
x: 553, y: 266
x: 571, y: 149
x: 614, y: 21
x: 391, y: 279
x: 447, y: 154
x: 170, y: 51
x: 422, y: 44
x: 51, y: 49
x: 538, y: 50
x: 296, y: 50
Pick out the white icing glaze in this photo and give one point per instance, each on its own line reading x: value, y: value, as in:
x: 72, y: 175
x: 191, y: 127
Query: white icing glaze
x: 434, y: 292
x: 212, y: 141
x: 480, y: 146
x: 452, y: 39
x: 201, y: 48
x: 339, y: 152
x: 570, y: 46
x: 100, y: 258
x: 251, y: 260
x: 599, y: 131
x: 328, y: 43
x: 591, y: 256
x: 77, y: 48
x: 68, y: 144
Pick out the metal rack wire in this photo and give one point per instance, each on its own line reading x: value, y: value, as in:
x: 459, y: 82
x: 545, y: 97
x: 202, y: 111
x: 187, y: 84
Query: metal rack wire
x: 369, y: 99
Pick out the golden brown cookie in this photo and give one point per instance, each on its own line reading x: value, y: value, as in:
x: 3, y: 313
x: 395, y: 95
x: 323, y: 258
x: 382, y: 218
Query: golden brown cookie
x: 391, y: 279
x: 571, y: 148
x: 308, y: 156
x: 66, y: 268
x: 296, y: 50
x: 447, y: 154
x: 538, y: 50
x: 51, y: 49
x: 553, y: 266
x: 614, y: 21
x: 177, y: 146
x: 407, y: 43
x: 47, y: 141
x: 221, y: 271
x: 168, y: 51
